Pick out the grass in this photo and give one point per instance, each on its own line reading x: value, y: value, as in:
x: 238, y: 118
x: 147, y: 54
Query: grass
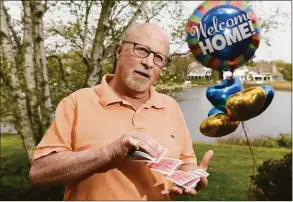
x: 229, y: 170
x: 15, y: 174
x: 277, y: 85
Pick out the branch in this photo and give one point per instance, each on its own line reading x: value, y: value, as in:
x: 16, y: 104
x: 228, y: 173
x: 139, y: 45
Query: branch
x: 61, y: 68
x: 148, y: 19
x: 88, y: 8
x: 15, y: 37
x: 45, y: 7
x: 113, y: 18
x: 65, y: 37
x: 135, y: 16
x: 6, y: 81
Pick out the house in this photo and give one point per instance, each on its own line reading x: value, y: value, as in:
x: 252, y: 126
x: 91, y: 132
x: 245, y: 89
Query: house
x: 198, y: 71
x: 240, y: 73
x: 262, y: 72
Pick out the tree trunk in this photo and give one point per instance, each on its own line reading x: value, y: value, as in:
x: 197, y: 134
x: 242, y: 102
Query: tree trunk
x: 29, y: 72
x: 38, y: 13
x: 98, y: 46
x: 23, y: 127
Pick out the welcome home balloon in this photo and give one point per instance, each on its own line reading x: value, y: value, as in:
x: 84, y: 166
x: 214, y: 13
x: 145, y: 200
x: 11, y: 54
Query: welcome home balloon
x: 223, y: 35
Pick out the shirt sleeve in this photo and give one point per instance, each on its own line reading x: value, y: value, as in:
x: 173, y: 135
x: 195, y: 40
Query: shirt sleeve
x: 187, y: 154
x: 60, y: 134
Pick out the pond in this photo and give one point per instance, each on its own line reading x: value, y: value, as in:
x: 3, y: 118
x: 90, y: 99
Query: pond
x: 276, y: 119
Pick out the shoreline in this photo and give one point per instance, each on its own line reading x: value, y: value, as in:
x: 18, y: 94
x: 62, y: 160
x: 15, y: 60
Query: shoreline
x: 175, y: 87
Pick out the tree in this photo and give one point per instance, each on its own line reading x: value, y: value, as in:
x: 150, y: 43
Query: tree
x: 285, y: 69
x: 36, y: 76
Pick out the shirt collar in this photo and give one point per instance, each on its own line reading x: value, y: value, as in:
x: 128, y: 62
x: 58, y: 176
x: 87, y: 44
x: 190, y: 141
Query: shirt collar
x: 108, y: 96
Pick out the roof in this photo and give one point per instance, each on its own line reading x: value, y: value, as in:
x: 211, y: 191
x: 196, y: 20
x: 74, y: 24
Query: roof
x: 277, y: 74
x: 264, y: 67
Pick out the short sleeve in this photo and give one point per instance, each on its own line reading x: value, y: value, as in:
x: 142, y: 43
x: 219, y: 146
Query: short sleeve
x: 60, y: 134
x: 187, y: 154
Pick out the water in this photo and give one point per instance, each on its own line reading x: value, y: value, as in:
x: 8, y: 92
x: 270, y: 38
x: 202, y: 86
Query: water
x: 274, y: 120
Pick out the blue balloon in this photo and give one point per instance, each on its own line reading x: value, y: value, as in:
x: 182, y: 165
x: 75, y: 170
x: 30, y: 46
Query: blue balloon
x: 215, y: 110
x: 223, y: 35
x: 270, y: 93
x: 218, y: 94
x: 223, y: 14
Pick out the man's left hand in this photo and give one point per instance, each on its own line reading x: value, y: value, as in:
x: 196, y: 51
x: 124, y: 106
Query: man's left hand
x: 201, y: 184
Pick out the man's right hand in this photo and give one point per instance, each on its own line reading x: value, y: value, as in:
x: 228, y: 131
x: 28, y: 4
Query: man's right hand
x: 133, y: 140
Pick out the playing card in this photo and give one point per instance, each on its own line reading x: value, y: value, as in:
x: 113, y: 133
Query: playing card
x: 180, y: 177
x: 192, y: 183
x: 200, y: 172
x: 166, y: 165
x: 160, y: 154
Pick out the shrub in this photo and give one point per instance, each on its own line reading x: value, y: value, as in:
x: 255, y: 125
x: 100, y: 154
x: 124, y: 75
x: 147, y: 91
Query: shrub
x: 274, y: 181
x: 282, y: 140
x: 265, y: 142
x: 232, y: 140
x: 285, y: 141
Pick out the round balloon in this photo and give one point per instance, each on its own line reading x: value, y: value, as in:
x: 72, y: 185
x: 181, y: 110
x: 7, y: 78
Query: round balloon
x: 223, y: 35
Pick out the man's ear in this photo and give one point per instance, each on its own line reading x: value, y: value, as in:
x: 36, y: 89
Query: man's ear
x: 118, y: 51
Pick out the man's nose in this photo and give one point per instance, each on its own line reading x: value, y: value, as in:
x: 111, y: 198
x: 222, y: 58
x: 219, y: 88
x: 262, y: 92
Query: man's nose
x: 148, y: 62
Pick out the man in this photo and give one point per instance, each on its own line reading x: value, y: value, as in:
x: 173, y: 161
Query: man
x: 94, y: 129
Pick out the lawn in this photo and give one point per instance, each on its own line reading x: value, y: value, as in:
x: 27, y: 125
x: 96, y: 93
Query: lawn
x: 229, y: 170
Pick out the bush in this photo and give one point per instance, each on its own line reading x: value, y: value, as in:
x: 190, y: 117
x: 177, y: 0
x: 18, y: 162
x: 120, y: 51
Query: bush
x: 265, y: 142
x: 26, y: 192
x: 285, y: 141
x: 274, y: 181
x: 282, y: 140
x: 232, y: 140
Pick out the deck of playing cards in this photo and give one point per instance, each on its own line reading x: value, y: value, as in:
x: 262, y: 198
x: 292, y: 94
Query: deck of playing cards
x: 145, y: 157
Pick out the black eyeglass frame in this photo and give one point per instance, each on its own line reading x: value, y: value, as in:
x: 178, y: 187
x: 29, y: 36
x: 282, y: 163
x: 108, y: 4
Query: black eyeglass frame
x: 150, y: 51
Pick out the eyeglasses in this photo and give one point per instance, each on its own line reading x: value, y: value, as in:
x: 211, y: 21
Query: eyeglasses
x: 143, y: 52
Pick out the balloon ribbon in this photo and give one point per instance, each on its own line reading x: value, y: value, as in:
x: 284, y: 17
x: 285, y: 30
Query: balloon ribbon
x: 253, y: 159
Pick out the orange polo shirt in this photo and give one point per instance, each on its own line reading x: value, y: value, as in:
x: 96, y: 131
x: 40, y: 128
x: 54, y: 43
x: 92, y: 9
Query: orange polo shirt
x: 92, y: 118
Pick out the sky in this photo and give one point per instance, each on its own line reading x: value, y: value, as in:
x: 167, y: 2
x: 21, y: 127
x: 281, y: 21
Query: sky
x: 281, y: 41
x: 280, y: 37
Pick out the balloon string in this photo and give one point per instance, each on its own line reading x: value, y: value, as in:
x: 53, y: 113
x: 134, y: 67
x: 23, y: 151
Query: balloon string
x: 254, y: 162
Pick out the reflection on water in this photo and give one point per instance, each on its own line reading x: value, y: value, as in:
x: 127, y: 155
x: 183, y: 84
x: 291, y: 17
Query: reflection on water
x: 274, y: 120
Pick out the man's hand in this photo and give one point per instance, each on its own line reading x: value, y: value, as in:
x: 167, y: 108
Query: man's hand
x: 133, y: 140
x: 202, y: 183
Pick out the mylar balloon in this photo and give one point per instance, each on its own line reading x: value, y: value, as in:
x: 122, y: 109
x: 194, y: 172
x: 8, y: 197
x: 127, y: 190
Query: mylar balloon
x: 246, y: 104
x: 270, y: 93
x: 218, y: 125
x: 215, y: 110
x: 223, y: 35
x: 219, y: 93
